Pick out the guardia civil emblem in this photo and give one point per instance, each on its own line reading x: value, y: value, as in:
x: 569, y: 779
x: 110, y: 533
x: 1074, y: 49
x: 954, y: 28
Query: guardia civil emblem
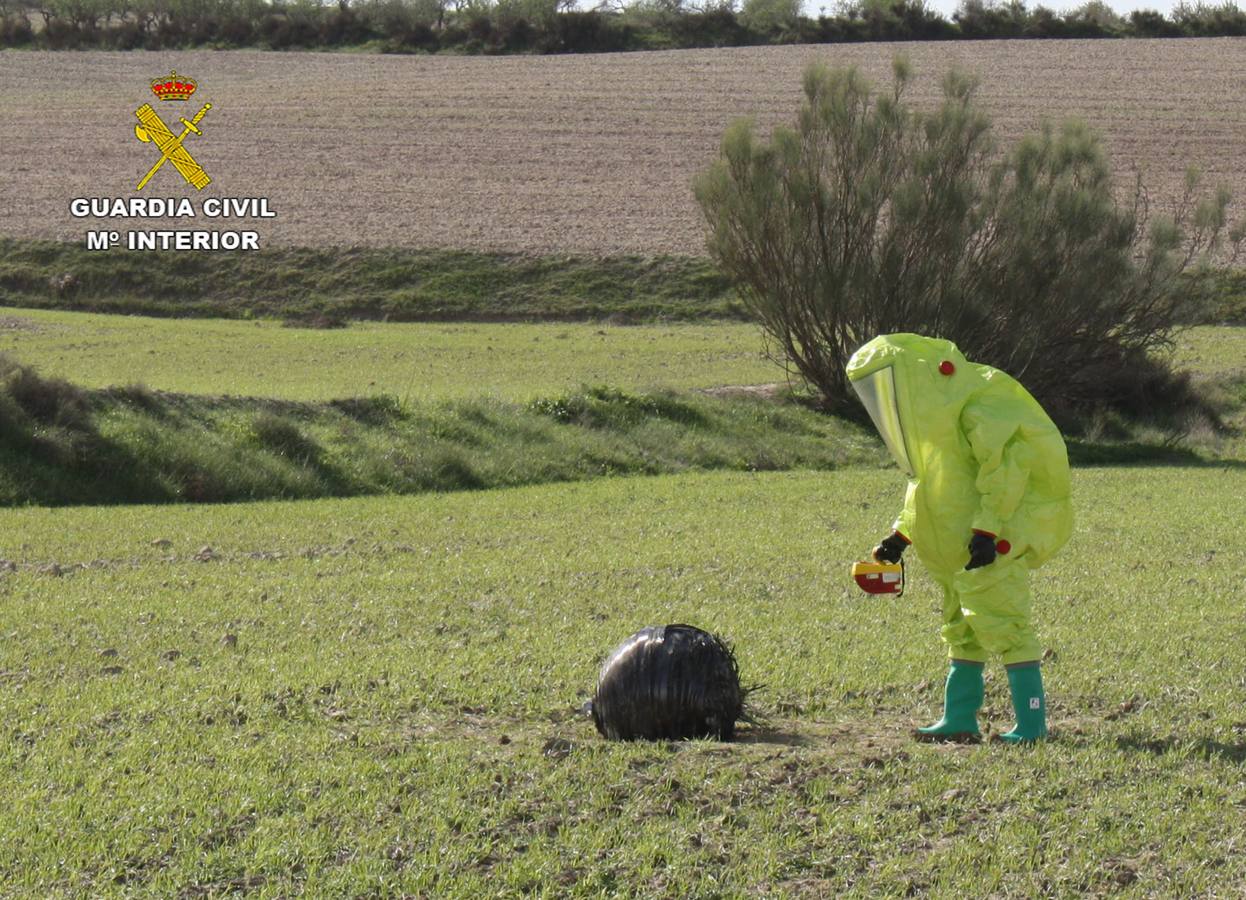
x: 152, y: 130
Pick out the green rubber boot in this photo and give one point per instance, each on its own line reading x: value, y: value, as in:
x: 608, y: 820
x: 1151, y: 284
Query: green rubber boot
x: 962, y: 698
x: 1026, y: 682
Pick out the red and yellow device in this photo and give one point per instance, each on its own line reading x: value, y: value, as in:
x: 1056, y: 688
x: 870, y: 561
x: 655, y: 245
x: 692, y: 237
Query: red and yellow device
x: 879, y: 577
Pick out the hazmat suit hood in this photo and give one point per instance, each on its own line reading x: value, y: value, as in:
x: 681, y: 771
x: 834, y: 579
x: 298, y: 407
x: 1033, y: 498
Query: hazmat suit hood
x: 979, y: 451
x: 914, y: 389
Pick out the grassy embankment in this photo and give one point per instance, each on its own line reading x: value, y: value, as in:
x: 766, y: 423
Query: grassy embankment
x: 415, y: 407
x: 324, y: 285
x: 62, y: 444
x: 366, y: 697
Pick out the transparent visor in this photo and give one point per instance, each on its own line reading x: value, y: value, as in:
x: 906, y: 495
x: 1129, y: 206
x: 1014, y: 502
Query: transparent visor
x: 878, y: 394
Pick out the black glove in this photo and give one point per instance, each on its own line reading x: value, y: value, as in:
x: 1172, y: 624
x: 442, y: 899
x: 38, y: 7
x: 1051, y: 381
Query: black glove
x: 890, y: 548
x: 981, y: 551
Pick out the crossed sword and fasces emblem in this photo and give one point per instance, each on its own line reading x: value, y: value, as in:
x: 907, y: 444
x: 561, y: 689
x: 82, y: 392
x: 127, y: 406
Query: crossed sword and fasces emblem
x: 151, y: 129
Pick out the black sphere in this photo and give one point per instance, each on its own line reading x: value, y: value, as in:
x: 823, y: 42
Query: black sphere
x: 669, y: 682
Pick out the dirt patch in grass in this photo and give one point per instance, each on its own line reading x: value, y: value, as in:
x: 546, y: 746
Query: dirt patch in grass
x: 772, y: 391
x: 17, y: 323
x: 873, y: 742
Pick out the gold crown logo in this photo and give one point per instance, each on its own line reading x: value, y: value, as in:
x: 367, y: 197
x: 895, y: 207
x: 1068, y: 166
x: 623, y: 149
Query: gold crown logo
x: 173, y: 87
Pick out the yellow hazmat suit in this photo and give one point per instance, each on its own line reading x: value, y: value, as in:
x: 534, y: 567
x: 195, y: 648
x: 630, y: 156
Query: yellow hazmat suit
x: 987, y: 500
x: 980, y: 455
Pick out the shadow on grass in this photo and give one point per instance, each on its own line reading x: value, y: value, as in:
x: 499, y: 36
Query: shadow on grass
x: 1087, y: 453
x: 1203, y: 748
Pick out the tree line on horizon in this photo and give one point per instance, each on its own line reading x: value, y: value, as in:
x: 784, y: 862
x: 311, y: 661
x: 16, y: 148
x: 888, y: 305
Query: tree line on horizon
x: 558, y: 26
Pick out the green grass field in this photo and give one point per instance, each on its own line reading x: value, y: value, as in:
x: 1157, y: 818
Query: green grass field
x: 1212, y: 351
x: 430, y: 361
x: 364, y: 698
x: 410, y: 361
x: 379, y: 696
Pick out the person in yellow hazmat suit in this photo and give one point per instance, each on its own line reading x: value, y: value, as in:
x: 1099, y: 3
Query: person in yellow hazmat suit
x: 987, y: 501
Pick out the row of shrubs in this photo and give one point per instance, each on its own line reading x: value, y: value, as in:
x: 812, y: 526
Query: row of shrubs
x: 551, y: 26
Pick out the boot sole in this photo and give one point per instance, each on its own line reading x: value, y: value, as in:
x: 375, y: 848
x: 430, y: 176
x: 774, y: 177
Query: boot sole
x: 955, y: 737
x: 1023, y: 742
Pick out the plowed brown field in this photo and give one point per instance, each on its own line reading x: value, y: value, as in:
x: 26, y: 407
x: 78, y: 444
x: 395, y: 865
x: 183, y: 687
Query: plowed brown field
x: 585, y: 154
